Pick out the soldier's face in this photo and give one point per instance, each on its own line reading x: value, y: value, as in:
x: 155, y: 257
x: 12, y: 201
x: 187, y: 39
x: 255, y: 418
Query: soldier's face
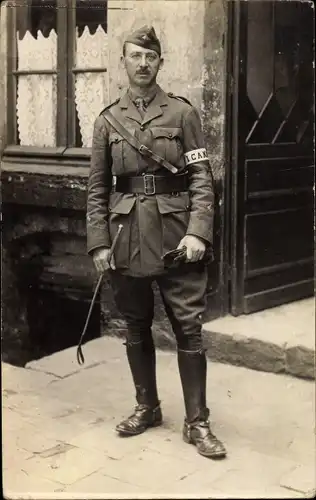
x: 141, y: 65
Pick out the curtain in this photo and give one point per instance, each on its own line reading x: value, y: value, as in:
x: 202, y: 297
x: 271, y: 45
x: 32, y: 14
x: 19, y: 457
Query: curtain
x: 37, y: 94
x: 91, y: 89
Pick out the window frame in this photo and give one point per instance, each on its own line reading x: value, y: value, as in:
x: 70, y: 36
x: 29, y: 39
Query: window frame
x: 65, y: 74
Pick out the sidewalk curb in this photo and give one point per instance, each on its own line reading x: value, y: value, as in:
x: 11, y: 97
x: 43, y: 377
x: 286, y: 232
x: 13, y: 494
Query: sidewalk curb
x: 240, y: 350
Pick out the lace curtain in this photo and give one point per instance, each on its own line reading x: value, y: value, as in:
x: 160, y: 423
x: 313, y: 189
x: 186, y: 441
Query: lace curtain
x: 91, y: 89
x: 37, y: 94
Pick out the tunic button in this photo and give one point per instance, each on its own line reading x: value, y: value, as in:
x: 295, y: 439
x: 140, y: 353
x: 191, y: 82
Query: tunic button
x: 170, y: 135
x: 141, y: 199
x: 142, y: 128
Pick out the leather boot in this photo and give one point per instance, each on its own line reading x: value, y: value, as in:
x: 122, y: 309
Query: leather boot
x: 142, y: 361
x: 196, y: 429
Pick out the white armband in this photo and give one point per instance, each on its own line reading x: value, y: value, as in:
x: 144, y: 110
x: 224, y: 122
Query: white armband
x: 195, y: 156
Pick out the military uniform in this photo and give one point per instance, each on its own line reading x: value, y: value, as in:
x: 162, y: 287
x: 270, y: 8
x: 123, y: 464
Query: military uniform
x: 153, y: 225
x: 155, y: 217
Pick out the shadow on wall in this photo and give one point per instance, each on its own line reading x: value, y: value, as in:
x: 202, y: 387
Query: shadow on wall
x: 47, y: 301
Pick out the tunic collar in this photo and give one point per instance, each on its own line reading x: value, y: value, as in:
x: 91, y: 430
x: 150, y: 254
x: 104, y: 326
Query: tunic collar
x: 154, y: 109
x: 146, y: 99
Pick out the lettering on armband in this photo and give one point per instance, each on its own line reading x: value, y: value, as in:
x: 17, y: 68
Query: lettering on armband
x: 195, y: 156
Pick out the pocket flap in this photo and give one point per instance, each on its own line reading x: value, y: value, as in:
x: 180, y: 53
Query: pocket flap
x: 170, y: 204
x: 115, y: 138
x: 169, y: 133
x: 121, y: 203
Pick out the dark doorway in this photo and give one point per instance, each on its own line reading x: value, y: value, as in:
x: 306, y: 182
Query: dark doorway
x: 57, y: 292
x: 271, y: 155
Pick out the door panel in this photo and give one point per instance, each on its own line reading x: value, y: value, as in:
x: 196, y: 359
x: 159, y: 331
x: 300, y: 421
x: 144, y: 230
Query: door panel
x: 272, y: 238
x: 277, y: 177
x: 277, y: 238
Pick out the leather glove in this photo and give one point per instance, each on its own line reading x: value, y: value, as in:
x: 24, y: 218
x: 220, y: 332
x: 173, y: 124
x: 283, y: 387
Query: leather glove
x: 174, y: 258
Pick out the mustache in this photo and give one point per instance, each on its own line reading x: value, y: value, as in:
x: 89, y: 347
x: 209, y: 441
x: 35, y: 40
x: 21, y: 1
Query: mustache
x: 144, y: 72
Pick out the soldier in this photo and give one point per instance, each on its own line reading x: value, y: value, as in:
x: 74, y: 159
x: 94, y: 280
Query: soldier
x: 161, y: 211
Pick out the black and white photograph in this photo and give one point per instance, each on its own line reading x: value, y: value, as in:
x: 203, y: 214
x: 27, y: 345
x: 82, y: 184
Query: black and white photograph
x: 157, y: 249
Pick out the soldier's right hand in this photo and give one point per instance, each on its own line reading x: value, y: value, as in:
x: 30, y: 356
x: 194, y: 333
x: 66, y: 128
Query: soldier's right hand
x: 101, y: 260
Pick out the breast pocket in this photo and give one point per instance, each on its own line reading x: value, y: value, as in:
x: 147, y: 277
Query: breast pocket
x: 124, y: 156
x: 175, y: 213
x: 120, y: 212
x: 167, y: 142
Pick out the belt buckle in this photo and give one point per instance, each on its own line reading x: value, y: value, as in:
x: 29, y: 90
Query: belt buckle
x: 149, y: 178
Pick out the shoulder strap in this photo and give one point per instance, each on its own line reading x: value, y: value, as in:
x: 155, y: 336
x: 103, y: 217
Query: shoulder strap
x: 180, y: 98
x: 110, y: 105
x: 132, y: 141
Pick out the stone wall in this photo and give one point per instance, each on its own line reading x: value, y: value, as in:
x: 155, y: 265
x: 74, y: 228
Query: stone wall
x: 214, y: 84
x: 3, y: 67
x: 47, y: 278
x: 179, y: 24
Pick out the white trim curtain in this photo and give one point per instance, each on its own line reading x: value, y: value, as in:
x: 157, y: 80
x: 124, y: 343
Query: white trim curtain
x: 37, y: 94
x: 91, y: 89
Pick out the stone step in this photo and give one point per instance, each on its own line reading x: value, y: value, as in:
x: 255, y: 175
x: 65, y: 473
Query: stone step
x: 279, y: 340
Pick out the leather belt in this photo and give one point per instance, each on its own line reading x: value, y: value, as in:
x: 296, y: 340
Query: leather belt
x: 150, y: 184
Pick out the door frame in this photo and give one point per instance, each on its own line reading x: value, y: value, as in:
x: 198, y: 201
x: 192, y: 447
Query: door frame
x: 222, y: 301
x: 229, y: 267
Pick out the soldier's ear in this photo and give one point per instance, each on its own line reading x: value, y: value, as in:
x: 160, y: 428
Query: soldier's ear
x: 161, y: 63
x: 122, y: 62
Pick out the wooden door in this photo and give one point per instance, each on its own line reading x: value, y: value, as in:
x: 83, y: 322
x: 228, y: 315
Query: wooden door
x: 272, y: 157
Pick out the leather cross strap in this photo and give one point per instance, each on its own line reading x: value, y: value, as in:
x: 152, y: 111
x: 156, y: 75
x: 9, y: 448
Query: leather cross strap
x: 132, y: 141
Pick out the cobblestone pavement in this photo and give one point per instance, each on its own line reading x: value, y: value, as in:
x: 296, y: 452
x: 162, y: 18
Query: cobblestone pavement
x: 59, y: 439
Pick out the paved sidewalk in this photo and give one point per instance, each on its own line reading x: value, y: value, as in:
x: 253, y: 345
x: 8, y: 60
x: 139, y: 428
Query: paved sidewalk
x: 59, y: 442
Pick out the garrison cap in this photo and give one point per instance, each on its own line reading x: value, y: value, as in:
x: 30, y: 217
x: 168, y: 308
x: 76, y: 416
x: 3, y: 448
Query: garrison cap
x: 145, y: 37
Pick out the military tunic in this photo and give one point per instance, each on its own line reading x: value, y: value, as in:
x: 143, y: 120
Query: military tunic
x: 152, y: 224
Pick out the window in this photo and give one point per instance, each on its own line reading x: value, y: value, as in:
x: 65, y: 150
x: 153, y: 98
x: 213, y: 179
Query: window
x: 57, y: 72
x: 280, y: 73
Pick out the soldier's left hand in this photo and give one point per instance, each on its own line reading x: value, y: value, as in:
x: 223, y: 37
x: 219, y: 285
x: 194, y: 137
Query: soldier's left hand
x: 195, y: 247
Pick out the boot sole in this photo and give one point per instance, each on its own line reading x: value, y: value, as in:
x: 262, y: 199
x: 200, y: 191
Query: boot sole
x: 125, y: 432
x: 214, y: 456
x: 218, y: 455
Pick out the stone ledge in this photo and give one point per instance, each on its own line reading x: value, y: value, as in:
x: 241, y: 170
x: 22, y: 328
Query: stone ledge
x: 300, y: 361
x: 240, y: 350
x: 63, y: 188
x: 278, y: 340
x: 256, y: 354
